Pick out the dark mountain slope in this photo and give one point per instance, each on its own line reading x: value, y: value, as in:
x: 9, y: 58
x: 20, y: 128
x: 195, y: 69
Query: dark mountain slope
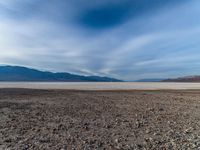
x: 17, y: 73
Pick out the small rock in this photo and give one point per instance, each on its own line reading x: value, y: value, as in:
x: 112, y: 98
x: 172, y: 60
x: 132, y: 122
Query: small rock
x: 116, y: 140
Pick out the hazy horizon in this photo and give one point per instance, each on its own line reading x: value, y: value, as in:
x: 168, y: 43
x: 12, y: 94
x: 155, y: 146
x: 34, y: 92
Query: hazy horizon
x: 124, y: 39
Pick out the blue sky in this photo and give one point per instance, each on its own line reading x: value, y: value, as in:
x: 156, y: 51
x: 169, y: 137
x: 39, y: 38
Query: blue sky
x: 125, y: 39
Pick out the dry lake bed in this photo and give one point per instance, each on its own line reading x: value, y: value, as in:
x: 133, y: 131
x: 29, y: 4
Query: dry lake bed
x: 101, y: 85
x: 113, y: 116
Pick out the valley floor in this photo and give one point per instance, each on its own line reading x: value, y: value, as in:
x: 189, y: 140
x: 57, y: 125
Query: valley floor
x: 67, y: 119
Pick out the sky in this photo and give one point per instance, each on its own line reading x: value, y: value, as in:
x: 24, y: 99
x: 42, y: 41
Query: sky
x: 124, y: 39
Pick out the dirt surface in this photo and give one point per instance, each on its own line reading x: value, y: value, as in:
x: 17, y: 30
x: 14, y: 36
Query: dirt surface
x: 63, y: 119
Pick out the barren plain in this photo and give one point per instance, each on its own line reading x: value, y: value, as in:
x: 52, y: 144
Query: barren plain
x: 75, y: 119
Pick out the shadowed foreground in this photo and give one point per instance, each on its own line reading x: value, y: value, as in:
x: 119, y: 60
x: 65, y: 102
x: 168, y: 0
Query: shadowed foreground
x: 63, y: 119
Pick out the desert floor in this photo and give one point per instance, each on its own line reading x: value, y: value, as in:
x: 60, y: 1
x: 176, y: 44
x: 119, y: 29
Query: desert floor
x: 71, y: 119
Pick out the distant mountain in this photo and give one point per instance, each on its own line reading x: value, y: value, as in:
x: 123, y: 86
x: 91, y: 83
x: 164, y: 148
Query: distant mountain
x: 149, y: 80
x: 17, y: 73
x: 184, y: 79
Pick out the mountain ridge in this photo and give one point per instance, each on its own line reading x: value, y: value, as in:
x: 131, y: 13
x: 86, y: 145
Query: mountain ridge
x: 20, y: 73
x: 150, y: 80
x: 194, y: 78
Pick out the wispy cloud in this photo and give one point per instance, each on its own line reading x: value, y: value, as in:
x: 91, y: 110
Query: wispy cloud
x: 112, y: 38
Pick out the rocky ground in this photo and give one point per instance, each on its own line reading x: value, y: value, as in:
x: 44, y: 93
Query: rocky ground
x: 127, y: 120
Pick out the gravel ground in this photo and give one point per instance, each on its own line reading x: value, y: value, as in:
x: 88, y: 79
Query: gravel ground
x: 126, y: 120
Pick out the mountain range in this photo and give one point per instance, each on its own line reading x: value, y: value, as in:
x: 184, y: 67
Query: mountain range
x: 18, y: 73
x: 184, y: 79
x: 150, y: 80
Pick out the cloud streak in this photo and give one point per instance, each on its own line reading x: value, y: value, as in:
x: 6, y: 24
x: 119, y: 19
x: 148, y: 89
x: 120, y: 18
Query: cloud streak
x: 124, y: 39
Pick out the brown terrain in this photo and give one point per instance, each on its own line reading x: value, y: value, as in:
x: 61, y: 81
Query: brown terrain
x: 126, y: 120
